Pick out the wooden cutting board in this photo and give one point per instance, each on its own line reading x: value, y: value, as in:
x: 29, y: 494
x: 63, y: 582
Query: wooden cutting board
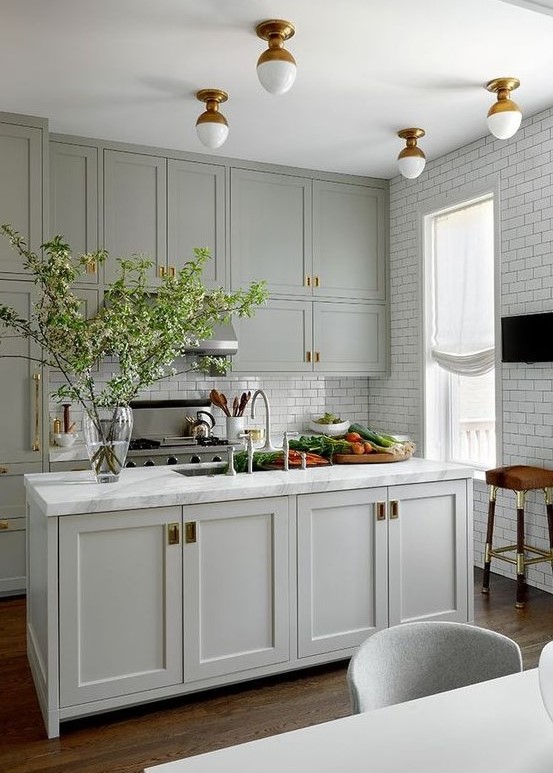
x: 369, y: 458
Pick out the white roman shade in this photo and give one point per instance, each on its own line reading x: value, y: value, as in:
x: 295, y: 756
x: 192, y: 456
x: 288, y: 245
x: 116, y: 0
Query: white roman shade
x: 462, y: 338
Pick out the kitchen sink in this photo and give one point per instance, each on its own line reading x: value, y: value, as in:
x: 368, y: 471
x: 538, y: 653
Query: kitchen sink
x: 201, y: 469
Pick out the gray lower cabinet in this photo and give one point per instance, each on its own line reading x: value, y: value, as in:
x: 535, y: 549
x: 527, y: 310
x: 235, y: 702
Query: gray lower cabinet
x: 12, y: 526
x: 313, y: 336
x: 22, y: 148
x: 74, y: 200
x: 373, y: 558
x: 135, y: 209
x: 21, y: 383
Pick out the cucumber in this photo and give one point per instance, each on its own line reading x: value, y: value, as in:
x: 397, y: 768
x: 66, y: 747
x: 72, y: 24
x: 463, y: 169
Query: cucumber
x: 384, y: 441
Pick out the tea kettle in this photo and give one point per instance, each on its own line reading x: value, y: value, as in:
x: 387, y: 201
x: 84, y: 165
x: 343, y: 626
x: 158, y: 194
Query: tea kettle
x: 200, y: 427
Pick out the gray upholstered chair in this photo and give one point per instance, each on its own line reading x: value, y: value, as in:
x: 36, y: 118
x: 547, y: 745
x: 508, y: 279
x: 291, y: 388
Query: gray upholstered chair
x: 416, y: 659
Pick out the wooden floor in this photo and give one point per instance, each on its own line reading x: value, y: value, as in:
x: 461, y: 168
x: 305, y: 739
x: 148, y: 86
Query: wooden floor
x: 128, y: 741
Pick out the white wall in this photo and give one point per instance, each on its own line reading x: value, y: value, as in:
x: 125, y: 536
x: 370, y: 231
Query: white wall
x: 524, y: 169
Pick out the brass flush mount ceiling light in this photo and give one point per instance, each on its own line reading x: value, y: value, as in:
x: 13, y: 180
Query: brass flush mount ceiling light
x: 212, y: 126
x: 504, y: 116
x: 276, y: 67
x: 411, y: 160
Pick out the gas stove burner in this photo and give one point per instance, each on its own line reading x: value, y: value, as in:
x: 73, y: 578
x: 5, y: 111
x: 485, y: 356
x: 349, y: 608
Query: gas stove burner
x: 143, y: 444
x: 212, y: 440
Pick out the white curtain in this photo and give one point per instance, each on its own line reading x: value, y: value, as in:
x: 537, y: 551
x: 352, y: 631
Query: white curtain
x: 462, y: 338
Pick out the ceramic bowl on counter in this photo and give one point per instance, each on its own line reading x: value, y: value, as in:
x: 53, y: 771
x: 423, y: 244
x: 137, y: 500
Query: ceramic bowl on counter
x: 65, y: 439
x: 334, y: 430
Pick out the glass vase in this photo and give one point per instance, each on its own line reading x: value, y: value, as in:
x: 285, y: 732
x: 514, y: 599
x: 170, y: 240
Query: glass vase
x: 107, y: 432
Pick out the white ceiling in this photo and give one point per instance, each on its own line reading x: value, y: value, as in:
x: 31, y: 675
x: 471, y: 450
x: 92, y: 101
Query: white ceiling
x: 128, y: 70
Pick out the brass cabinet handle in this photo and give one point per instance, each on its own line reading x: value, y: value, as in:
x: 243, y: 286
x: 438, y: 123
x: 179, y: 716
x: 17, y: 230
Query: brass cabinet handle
x: 36, y: 426
x: 394, y: 509
x: 308, y: 356
x: 190, y: 532
x: 91, y: 267
x: 161, y: 271
x: 3, y: 470
x: 173, y: 534
x: 317, y: 356
x: 316, y: 281
x: 380, y: 511
x: 172, y: 271
x: 4, y: 525
x: 307, y: 281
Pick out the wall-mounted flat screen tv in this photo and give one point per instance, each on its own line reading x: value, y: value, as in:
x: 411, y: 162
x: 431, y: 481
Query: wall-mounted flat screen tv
x: 527, y: 338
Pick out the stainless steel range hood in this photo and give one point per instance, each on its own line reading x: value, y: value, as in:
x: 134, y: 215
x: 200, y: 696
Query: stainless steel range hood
x: 222, y: 343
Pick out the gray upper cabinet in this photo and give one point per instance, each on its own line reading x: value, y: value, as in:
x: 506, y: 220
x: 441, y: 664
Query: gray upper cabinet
x: 135, y: 209
x: 349, y: 241
x: 270, y: 233
x: 21, y: 181
x: 349, y: 337
x: 74, y: 199
x: 196, y: 216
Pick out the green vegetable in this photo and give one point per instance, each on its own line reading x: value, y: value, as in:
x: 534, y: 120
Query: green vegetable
x: 320, y: 444
x: 260, y: 458
x: 328, y: 418
x: 381, y: 442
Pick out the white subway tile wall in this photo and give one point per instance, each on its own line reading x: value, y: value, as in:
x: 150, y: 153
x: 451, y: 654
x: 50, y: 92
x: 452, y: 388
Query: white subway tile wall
x: 524, y: 168
x: 293, y: 400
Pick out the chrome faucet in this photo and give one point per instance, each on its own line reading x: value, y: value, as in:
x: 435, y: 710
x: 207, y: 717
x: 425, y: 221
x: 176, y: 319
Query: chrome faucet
x: 268, y: 445
x: 249, y: 450
x: 286, y: 448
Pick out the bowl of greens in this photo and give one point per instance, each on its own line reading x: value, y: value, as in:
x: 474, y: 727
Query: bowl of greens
x: 329, y: 424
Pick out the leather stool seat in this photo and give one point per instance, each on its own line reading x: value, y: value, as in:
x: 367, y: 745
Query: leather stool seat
x: 519, y: 478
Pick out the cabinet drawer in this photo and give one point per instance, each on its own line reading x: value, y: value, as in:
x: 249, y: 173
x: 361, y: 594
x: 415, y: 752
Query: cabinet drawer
x: 12, y: 556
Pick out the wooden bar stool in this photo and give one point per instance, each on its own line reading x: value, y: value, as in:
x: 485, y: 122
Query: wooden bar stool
x: 520, y: 479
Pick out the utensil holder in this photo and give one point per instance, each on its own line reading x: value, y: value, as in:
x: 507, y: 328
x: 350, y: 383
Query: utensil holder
x: 235, y: 427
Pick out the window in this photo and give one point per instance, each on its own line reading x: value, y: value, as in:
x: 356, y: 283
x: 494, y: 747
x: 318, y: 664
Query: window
x: 459, y: 334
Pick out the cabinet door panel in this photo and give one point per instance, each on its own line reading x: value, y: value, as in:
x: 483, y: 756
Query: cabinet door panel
x: 20, y: 418
x: 349, y: 241
x: 12, y: 526
x: 74, y: 198
x: 20, y: 190
x: 428, y: 548
x: 196, y: 216
x: 236, y: 587
x: 120, y: 604
x: 349, y: 337
x: 277, y: 338
x: 342, y: 570
x: 135, y: 214
x: 271, y: 231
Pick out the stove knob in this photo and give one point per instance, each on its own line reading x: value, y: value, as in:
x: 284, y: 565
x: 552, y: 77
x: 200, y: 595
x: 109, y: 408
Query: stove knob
x: 195, y: 459
x: 216, y: 459
x: 130, y: 464
x: 149, y: 463
x: 172, y: 460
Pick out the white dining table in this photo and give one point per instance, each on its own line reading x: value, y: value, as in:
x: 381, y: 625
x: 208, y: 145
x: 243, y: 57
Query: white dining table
x: 498, y: 726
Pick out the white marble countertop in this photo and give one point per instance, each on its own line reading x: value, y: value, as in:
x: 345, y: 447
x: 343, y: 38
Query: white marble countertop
x: 67, y: 493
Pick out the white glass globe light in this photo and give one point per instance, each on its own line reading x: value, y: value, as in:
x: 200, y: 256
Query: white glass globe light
x: 504, y: 119
x: 212, y: 134
x: 411, y: 166
x: 277, y: 76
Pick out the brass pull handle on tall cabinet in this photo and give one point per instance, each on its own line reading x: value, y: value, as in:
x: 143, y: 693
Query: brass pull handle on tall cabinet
x: 173, y: 534
x: 394, y: 509
x: 308, y: 356
x: 35, y: 445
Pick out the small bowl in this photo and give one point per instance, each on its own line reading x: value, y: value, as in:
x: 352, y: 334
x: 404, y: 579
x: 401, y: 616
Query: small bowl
x: 65, y: 439
x: 330, y: 429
